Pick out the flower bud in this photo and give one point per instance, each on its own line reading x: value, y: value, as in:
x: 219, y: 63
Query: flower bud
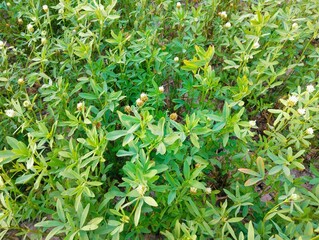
x: 295, y: 26
x: 178, y: 5
x: 193, y: 190
x: 20, y: 81
x: 310, y: 88
x: 161, y: 89
x: 80, y: 106
x: 223, y: 14
x: 8, y: 4
x: 10, y: 113
x: 141, y: 189
x: 227, y: 25
x: 144, y: 97
x: 45, y: 8
x: 309, y: 131
x: 292, y: 100
x: 176, y: 59
x: 139, y: 102
x: 127, y: 109
x: 208, y: 190
x: 26, y: 104
x: 252, y: 123
x: 30, y: 28
x: 173, y: 116
x: 20, y: 21
x: 44, y: 40
x: 256, y: 45
x: 301, y: 111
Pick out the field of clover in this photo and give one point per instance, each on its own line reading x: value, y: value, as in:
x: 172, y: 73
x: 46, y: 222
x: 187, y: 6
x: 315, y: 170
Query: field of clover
x: 159, y: 119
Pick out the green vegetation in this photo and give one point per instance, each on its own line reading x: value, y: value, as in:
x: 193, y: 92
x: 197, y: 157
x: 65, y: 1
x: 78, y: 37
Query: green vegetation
x: 159, y: 119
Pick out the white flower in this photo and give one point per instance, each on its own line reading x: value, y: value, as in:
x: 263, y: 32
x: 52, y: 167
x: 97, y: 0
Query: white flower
x: 208, y: 190
x: 222, y: 14
x: 176, y: 59
x: 141, y: 189
x: 139, y: 102
x: 256, y: 45
x: 1, y: 44
x: 294, y: 197
x: 45, y: 8
x: 30, y: 27
x: 252, y: 123
x: 8, y: 4
x: 161, y: 89
x: 20, y: 21
x: 309, y: 131
x: 294, y: 26
x: 79, y: 106
x: 301, y: 111
x: 44, y: 40
x: 144, y: 97
x: 310, y: 88
x: 20, y: 81
x: 193, y: 190
x: 178, y: 4
x: 127, y: 109
x: 292, y: 100
x: 10, y: 113
x: 227, y: 25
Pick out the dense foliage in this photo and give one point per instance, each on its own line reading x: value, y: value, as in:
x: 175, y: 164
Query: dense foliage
x: 159, y: 119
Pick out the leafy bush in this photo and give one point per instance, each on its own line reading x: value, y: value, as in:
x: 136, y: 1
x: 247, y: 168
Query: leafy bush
x: 159, y: 119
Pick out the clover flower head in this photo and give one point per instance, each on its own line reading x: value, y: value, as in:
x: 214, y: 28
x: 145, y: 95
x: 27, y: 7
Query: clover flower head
x: 127, y: 109
x: 45, y: 8
x: 256, y: 45
x: 301, y: 111
x: 144, y: 97
x: 20, y: 81
x: 309, y: 131
x: 193, y: 190
x: 80, y: 106
x: 173, y: 116
x: 222, y: 14
x: 10, y: 113
x: 252, y: 123
x: 141, y: 189
x: 178, y: 5
x: 310, y: 88
x: 208, y: 190
x: 176, y: 59
x: 227, y: 25
x: 139, y: 102
x: 30, y: 27
x: 294, y: 26
x: 161, y: 89
x: 292, y: 100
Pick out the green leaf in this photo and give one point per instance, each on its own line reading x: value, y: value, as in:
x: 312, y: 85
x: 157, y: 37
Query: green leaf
x: 161, y: 149
x: 137, y: 213
x: 252, y: 181
x: 24, y: 178
x: 171, y: 197
x: 88, y: 96
x: 84, y: 215
x: 251, y: 232
x: 249, y: 171
x: 150, y: 201
x: 60, y: 210
x: 111, y: 136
